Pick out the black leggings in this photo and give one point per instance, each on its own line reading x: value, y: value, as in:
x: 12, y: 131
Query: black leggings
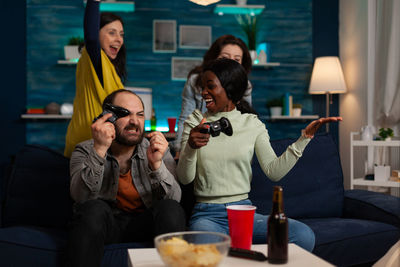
x: 95, y: 224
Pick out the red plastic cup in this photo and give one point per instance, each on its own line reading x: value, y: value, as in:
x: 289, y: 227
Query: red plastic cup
x: 240, y: 220
x: 171, y: 124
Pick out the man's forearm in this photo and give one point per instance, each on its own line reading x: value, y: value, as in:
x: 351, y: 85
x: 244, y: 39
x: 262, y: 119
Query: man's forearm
x: 87, y: 170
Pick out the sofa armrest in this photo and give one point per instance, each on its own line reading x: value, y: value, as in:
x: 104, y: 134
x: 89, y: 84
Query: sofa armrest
x: 363, y: 204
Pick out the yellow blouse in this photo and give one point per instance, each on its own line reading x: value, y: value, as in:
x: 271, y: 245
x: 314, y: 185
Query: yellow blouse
x: 89, y: 97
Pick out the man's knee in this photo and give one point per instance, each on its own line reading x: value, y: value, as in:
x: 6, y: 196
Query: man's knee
x: 169, y: 216
x: 93, y: 214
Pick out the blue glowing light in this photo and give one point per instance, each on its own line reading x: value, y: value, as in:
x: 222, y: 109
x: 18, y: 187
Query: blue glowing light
x: 251, y: 10
x: 116, y: 6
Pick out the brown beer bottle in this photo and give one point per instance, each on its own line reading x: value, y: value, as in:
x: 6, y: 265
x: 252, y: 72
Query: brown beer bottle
x: 277, y: 230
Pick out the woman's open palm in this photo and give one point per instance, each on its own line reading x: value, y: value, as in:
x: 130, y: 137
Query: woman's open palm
x: 313, y: 127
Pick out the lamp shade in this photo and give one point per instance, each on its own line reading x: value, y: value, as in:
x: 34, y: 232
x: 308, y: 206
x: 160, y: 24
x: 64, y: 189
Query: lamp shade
x: 204, y: 2
x: 327, y: 77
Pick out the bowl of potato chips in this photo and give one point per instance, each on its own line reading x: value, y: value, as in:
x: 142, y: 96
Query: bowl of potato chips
x: 192, y: 248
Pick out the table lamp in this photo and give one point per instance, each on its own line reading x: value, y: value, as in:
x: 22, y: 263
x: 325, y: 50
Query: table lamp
x: 327, y: 78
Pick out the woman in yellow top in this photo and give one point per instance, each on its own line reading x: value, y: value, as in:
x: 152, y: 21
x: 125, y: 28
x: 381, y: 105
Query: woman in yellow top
x: 99, y: 72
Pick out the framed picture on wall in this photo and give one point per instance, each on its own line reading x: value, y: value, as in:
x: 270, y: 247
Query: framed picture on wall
x: 181, y: 66
x: 194, y: 37
x: 164, y: 36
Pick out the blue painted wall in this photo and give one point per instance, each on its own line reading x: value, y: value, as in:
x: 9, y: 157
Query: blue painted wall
x: 286, y: 24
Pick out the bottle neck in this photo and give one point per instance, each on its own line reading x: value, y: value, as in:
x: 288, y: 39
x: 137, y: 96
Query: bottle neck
x: 277, y: 202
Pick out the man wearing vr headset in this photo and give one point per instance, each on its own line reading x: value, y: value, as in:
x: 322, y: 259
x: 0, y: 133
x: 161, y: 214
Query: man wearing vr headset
x: 124, y: 185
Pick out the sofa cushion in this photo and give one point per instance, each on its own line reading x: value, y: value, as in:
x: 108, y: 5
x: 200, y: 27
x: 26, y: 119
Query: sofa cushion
x: 312, y: 188
x: 36, y: 246
x: 345, y: 242
x: 31, y: 246
x: 38, y: 189
x: 368, y: 205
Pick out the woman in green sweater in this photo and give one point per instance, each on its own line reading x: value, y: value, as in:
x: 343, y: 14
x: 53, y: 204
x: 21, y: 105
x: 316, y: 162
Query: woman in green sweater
x: 221, y: 166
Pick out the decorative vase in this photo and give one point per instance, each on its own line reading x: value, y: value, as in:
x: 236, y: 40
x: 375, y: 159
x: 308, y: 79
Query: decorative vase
x: 296, y: 112
x: 253, y: 55
x: 241, y: 2
x: 367, y: 132
x: 67, y: 109
x: 275, y: 111
x: 71, y: 52
x: 262, y: 57
x: 382, y: 173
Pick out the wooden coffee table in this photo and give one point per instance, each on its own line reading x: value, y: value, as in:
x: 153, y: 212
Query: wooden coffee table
x: 298, y: 257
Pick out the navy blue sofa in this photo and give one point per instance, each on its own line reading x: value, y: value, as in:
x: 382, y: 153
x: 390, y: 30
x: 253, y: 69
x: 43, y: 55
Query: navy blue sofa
x: 352, y: 227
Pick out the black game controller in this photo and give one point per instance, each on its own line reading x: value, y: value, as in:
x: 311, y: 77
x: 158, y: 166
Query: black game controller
x: 216, y: 127
x: 117, y: 112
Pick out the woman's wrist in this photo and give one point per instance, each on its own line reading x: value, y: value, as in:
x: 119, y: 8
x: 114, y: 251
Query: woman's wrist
x: 304, y: 134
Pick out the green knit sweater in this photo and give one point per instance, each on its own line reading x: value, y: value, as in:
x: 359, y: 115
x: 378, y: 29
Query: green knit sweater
x: 221, y: 170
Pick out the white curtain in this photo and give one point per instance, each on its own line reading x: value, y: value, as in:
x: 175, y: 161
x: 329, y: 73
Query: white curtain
x: 387, y: 69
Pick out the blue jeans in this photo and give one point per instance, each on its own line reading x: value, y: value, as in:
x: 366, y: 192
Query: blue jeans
x: 213, y: 217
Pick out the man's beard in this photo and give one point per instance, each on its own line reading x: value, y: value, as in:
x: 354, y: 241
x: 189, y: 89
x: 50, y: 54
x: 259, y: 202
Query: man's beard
x: 122, y: 140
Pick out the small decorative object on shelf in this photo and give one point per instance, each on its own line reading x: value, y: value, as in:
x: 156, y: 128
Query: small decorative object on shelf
x: 296, y: 110
x: 367, y: 132
x: 381, y: 172
x: 395, y: 176
x: 386, y: 133
x: 287, y: 104
x: 241, y: 2
x: 264, y: 53
x: 34, y: 110
x: 72, y: 51
x: 275, y: 106
x: 67, y: 109
x: 262, y: 57
x: 52, y: 108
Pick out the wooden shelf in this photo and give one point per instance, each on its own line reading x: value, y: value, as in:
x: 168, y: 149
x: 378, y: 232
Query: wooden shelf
x: 303, y: 117
x: 168, y: 135
x: 66, y: 62
x: 356, y: 142
x: 267, y: 65
x: 46, y: 116
x: 361, y: 181
x: 376, y: 143
x: 251, y: 10
x: 279, y: 64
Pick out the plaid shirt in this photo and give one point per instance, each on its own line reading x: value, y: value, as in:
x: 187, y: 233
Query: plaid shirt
x: 94, y: 177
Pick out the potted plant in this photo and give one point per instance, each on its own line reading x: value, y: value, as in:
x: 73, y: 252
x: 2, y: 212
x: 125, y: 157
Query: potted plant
x: 275, y: 106
x: 249, y: 26
x: 385, y: 133
x: 296, y: 110
x: 72, y: 51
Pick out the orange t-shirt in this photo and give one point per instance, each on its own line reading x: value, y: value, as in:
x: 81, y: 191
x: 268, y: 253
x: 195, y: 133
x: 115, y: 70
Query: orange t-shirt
x: 128, y: 198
